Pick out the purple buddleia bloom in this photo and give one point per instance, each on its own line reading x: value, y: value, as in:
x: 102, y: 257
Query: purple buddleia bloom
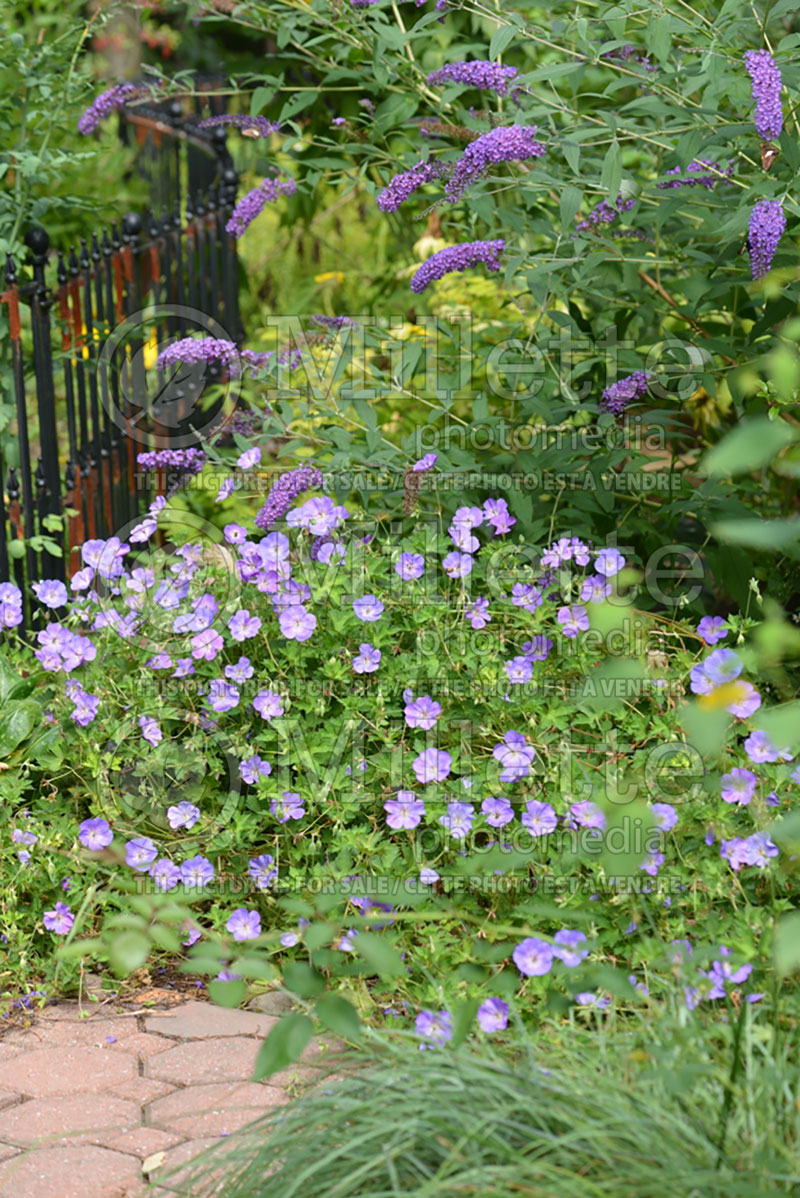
x: 539, y: 818
x: 533, y: 957
x: 436, y: 1027
x: 493, y: 1015
x: 486, y: 76
x: 767, y: 224
x: 197, y: 872
x: 244, y: 924
x: 251, y: 205
x: 410, y: 566
x: 404, y: 812
x: 617, y: 397
x: 183, y: 815
x: 506, y: 143
x: 59, y: 920
x: 457, y: 258
x: 140, y: 853
x: 190, y: 351
x: 604, y: 213
x: 236, y: 120
x: 569, y: 948
x: 95, y: 834
x: 283, y: 493
x: 262, y: 870
x: 712, y: 629
x: 766, y: 78
x: 104, y: 104
x: 402, y: 186
x: 700, y: 173
x: 368, y: 659
x: 432, y: 765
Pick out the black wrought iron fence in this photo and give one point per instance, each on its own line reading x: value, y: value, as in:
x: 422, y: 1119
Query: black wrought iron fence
x: 83, y: 335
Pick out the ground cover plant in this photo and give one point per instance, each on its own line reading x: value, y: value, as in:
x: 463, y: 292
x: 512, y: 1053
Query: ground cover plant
x: 450, y: 682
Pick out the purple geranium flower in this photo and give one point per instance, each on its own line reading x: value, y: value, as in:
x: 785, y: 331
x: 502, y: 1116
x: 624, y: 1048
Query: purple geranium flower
x: 368, y: 608
x: 712, y: 629
x: 432, y: 765
x: 244, y: 924
x: 368, y: 659
x: 539, y: 818
x: 434, y: 1026
x: 95, y: 834
x: 533, y: 957
x: 262, y: 870
x: 288, y: 806
x: 404, y: 812
x: 140, y: 853
x: 197, y: 872
x: 493, y: 1015
x: 268, y: 704
x: 738, y: 786
x: 254, y: 768
x: 569, y: 947
x: 497, y: 812
x: 410, y: 566
x: 422, y: 713
x: 183, y: 815
x: 60, y: 920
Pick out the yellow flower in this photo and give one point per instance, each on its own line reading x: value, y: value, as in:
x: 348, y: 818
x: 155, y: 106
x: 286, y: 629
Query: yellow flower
x: 335, y: 276
x: 723, y: 696
x: 150, y: 351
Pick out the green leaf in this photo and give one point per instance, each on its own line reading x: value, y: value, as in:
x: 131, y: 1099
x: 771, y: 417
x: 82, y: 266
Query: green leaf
x: 571, y: 200
x: 227, y: 994
x: 379, y: 955
x: 128, y: 952
x: 611, y: 175
x: 338, y: 1016
x: 17, y: 723
x: 751, y: 445
x: 260, y: 98
x: 759, y: 534
x: 9, y: 680
x: 16, y: 549
x: 301, y: 979
x: 787, y: 944
x: 501, y: 38
x: 285, y: 1044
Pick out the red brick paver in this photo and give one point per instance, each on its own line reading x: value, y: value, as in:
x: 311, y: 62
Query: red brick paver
x: 85, y: 1102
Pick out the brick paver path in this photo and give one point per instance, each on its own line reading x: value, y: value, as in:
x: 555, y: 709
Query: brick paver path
x: 99, y: 1107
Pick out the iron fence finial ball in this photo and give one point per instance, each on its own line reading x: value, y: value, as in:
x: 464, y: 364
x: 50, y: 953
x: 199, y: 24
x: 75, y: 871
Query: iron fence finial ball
x: 37, y: 240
